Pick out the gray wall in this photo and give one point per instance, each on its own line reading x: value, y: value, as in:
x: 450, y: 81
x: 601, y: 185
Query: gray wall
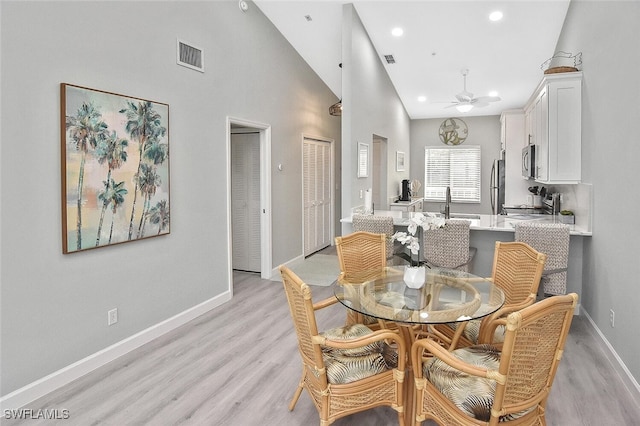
x: 371, y: 107
x: 483, y: 131
x: 53, y: 306
x: 606, y: 34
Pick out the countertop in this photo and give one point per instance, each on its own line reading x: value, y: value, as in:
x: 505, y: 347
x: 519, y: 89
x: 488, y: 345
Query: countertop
x: 482, y: 222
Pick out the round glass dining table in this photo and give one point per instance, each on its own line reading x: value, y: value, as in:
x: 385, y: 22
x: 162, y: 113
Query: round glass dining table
x: 447, y: 296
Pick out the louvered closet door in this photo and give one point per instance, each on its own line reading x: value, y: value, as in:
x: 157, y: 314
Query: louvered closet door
x: 317, y: 195
x: 245, y: 201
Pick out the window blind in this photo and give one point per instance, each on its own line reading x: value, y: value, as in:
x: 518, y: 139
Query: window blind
x: 456, y: 167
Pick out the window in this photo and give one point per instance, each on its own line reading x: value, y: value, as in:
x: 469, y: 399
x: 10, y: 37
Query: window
x: 456, y: 167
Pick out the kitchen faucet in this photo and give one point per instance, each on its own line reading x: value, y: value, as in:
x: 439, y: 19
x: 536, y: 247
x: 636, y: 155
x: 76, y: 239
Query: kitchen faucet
x: 447, y: 205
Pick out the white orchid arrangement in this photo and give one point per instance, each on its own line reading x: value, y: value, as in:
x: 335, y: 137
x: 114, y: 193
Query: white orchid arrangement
x: 409, y: 239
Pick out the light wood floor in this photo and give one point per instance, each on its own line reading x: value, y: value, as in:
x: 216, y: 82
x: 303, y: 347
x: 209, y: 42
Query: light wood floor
x: 238, y: 365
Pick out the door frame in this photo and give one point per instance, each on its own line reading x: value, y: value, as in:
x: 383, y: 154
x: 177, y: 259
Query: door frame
x: 265, y: 195
x: 380, y: 169
x: 331, y: 143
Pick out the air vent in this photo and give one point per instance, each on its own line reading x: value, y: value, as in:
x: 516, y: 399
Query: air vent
x: 190, y: 56
x: 390, y: 59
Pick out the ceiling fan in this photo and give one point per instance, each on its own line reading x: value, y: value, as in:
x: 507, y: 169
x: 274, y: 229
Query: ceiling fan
x: 465, y: 100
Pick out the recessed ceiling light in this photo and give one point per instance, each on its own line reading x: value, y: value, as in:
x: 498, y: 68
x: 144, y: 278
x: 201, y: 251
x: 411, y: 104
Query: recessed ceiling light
x: 422, y: 98
x: 493, y: 93
x: 397, y: 31
x: 495, y: 16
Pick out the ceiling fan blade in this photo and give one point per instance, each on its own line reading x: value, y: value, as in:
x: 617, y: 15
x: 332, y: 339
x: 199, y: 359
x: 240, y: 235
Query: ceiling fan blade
x: 487, y: 99
x: 452, y: 105
x: 480, y: 104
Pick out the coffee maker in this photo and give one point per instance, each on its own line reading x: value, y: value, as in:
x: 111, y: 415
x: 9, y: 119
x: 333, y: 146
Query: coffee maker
x: 406, y: 190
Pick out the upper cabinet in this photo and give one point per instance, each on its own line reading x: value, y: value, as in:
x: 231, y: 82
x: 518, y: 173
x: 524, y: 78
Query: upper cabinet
x: 553, y: 125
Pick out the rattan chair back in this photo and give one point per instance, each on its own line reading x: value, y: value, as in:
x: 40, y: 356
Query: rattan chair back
x: 333, y: 400
x: 448, y: 247
x: 361, y: 255
x: 517, y: 268
x: 533, y: 346
x: 376, y: 225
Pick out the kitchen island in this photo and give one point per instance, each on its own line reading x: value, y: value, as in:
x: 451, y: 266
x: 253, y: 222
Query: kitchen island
x: 487, y: 229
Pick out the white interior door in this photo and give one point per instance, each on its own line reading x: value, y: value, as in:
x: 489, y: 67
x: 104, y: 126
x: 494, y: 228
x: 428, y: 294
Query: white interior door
x: 245, y: 201
x: 317, y: 195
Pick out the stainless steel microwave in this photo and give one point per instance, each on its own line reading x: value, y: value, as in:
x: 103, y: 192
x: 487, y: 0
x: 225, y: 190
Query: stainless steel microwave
x: 529, y: 162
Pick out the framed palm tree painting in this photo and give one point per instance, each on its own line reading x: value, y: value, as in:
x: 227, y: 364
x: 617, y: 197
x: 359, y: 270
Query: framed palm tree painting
x: 115, y: 168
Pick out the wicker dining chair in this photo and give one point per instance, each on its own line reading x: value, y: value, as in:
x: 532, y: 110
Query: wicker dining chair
x: 376, y: 225
x: 448, y: 247
x: 517, y: 268
x: 347, y: 369
x: 482, y: 385
x: 362, y: 256
x: 551, y: 239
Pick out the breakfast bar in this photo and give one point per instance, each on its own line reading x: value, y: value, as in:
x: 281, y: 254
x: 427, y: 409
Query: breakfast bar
x: 487, y: 229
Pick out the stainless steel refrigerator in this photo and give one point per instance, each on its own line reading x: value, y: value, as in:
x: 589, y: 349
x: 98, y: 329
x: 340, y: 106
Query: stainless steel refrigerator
x: 497, y: 186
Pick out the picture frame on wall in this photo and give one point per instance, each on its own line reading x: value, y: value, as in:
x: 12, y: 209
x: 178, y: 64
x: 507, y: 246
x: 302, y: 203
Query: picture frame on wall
x: 363, y: 160
x: 115, y: 168
x: 399, y: 161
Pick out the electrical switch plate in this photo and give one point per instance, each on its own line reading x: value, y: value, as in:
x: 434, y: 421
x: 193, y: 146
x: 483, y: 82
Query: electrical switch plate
x: 112, y: 316
x: 612, y: 317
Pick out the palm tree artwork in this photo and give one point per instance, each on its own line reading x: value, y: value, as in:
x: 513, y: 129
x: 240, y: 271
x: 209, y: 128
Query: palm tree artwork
x: 113, y: 195
x: 112, y: 151
x: 143, y: 125
x: 85, y: 129
x: 115, y: 157
x: 159, y: 215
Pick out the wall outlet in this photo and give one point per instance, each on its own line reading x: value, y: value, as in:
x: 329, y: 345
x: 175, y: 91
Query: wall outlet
x: 112, y: 316
x: 612, y: 317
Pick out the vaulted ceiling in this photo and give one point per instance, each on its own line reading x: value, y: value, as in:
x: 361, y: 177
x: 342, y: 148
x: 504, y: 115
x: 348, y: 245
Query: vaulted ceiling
x: 439, y: 40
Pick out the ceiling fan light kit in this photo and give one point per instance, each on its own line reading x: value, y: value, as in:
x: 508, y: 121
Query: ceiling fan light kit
x: 466, y: 107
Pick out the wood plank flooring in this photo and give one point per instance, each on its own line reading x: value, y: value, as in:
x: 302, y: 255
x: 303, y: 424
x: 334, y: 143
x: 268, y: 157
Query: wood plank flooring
x: 238, y: 365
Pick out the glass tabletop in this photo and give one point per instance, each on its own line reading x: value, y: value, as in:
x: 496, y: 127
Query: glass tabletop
x: 447, y: 295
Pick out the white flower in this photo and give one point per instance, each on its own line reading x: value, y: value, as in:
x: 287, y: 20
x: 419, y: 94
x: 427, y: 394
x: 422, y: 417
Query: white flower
x: 430, y: 221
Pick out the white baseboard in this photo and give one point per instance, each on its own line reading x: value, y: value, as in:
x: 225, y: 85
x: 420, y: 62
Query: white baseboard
x: 629, y: 381
x: 41, y: 387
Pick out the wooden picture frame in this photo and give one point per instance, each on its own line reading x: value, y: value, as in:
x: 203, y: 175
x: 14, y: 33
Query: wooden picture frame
x: 363, y: 160
x: 115, y: 168
x: 400, y: 161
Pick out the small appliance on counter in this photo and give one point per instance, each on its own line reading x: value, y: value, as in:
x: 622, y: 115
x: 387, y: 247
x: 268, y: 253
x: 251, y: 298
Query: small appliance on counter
x: 551, y: 203
x: 406, y: 190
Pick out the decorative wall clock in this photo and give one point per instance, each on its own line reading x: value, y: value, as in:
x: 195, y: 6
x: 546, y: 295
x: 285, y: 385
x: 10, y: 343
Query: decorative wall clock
x: 453, y: 131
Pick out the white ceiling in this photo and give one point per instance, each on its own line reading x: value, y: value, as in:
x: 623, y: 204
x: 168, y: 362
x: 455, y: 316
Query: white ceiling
x: 440, y: 39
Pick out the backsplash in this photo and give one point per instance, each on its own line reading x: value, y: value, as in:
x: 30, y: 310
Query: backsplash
x: 577, y: 198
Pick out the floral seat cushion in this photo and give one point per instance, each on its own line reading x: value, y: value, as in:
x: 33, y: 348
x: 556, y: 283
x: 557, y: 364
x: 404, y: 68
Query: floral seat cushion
x: 473, y: 395
x: 349, y: 365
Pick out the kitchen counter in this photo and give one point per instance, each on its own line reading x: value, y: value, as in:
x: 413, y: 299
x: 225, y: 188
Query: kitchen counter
x: 482, y: 222
x: 486, y: 229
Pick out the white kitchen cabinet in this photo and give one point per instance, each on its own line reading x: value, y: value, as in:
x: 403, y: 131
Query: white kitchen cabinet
x: 513, y: 139
x: 554, y: 121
